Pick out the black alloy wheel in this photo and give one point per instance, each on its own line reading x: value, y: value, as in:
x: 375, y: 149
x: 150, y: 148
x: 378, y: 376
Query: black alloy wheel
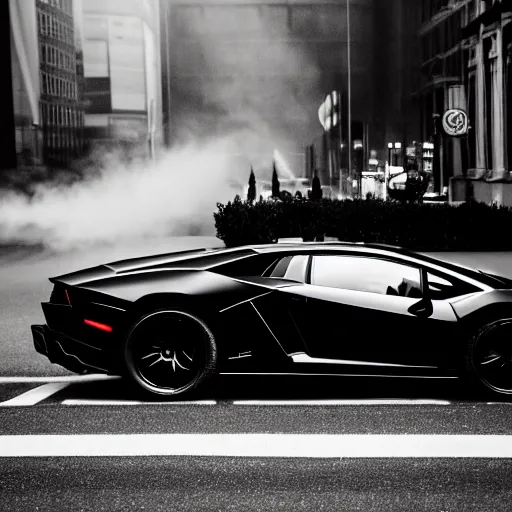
x: 489, y: 358
x: 169, y: 352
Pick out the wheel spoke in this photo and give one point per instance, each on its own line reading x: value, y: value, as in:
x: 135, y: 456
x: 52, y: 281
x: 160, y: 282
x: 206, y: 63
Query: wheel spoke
x: 175, y: 360
x: 152, y: 354
x: 491, y: 358
x: 157, y: 361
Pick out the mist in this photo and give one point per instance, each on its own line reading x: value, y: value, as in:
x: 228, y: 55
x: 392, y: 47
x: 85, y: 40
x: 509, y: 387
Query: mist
x: 175, y: 196
x: 220, y: 131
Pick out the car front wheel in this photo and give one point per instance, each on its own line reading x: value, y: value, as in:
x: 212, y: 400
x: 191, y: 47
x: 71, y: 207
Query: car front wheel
x: 489, y: 358
x: 169, y: 352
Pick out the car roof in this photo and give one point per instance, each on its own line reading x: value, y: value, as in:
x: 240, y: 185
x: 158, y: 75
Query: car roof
x: 381, y: 250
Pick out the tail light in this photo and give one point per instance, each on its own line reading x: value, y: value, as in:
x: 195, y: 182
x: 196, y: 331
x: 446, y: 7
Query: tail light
x: 98, y: 325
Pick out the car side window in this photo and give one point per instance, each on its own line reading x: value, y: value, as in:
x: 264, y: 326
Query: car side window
x: 447, y: 287
x: 290, y: 267
x: 366, y: 274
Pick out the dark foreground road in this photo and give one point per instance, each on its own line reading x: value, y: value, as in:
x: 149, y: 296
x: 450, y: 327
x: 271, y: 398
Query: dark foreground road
x: 256, y: 484
x: 327, y: 444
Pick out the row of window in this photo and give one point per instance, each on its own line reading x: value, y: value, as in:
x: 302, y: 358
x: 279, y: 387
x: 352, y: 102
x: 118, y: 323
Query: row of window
x: 63, y: 139
x: 56, y: 57
x: 471, y: 9
x: 370, y: 275
x: 443, y: 36
x: 62, y: 116
x: 57, y: 86
x: 64, y: 5
x: 48, y: 25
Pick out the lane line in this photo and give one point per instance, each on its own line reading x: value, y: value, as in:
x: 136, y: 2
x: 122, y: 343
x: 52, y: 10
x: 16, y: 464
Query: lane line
x: 35, y: 395
x: 63, y: 378
x: 134, y: 402
x: 342, y: 402
x: 259, y: 445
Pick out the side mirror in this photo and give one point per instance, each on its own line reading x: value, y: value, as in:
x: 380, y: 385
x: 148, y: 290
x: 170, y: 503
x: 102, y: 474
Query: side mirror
x: 422, y: 308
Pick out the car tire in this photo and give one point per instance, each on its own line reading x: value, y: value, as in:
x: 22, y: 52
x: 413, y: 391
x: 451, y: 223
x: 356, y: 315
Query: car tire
x: 169, y: 352
x: 488, y: 360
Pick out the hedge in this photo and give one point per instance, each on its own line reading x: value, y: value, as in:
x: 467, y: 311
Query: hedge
x: 423, y: 227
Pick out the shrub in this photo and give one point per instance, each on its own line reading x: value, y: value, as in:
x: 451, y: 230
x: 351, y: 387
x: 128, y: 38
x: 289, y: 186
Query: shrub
x: 251, y: 193
x: 316, y: 189
x: 276, y: 186
x: 470, y: 226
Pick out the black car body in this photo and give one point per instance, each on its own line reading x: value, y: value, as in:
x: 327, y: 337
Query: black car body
x: 290, y: 308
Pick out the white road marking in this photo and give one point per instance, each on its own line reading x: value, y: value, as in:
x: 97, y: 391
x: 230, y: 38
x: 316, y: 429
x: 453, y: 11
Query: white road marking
x: 63, y: 378
x: 259, y: 445
x: 342, y: 402
x: 134, y: 402
x: 35, y: 395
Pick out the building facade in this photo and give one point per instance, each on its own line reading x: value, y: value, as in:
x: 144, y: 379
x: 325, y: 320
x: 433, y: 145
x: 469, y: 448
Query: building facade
x: 61, y: 94
x: 46, y: 116
x: 466, y: 63
x: 487, y: 58
x: 21, y: 124
x: 442, y: 87
x: 257, y: 71
x: 122, y: 68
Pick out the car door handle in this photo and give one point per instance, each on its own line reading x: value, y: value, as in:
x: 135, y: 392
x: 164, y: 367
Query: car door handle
x: 422, y: 308
x: 299, y: 299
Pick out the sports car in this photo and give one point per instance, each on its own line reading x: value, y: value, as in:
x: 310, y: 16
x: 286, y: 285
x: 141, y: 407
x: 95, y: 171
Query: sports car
x: 168, y: 322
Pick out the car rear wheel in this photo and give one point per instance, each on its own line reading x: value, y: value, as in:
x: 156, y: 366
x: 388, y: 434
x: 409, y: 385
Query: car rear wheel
x: 170, y: 352
x: 489, y: 358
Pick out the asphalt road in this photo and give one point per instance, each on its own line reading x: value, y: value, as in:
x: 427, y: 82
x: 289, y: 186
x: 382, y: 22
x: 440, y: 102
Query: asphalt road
x: 240, y: 444
x: 74, y: 477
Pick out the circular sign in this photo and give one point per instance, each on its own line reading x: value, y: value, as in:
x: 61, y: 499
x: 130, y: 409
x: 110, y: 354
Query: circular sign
x: 329, y: 111
x: 455, y: 122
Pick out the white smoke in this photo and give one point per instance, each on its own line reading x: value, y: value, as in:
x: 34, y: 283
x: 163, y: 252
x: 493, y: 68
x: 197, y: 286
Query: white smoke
x: 175, y: 196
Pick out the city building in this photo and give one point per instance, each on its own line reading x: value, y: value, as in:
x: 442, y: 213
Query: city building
x: 122, y: 68
x: 487, y: 60
x: 466, y: 65
x: 21, y: 122
x: 257, y: 71
x: 442, y: 87
x: 43, y: 125
x: 393, y: 78
x: 61, y: 72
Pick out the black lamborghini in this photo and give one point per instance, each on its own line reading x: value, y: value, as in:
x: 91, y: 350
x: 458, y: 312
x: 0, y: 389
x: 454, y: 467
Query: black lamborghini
x: 168, y: 322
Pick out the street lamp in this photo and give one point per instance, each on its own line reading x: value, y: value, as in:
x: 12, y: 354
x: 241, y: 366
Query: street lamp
x: 349, y: 94
x: 390, y: 148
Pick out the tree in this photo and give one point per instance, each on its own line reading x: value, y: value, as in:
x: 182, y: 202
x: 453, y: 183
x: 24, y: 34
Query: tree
x: 316, y: 189
x: 251, y: 193
x: 276, y: 186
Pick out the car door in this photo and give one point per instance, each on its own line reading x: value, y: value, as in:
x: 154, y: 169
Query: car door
x: 367, y: 310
